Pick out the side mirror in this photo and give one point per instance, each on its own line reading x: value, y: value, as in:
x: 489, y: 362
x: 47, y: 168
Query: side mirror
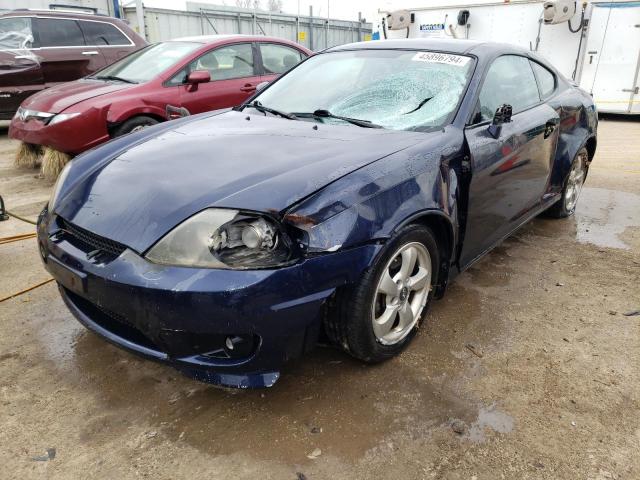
x: 261, y: 85
x: 502, y: 115
x: 197, y: 77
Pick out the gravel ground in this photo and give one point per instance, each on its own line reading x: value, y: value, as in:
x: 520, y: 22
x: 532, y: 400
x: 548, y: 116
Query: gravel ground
x: 528, y: 368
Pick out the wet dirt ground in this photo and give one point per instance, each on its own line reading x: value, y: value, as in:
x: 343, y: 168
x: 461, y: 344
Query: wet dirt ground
x: 528, y: 368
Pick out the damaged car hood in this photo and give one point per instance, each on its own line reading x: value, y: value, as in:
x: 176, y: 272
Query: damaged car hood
x: 237, y: 160
x: 60, y: 97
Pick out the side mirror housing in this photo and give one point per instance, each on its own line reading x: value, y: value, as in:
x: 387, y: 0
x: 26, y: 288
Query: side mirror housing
x: 197, y: 77
x: 503, y: 115
x: 261, y: 85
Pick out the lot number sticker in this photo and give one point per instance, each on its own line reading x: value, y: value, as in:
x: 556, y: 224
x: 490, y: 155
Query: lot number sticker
x: 446, y: 58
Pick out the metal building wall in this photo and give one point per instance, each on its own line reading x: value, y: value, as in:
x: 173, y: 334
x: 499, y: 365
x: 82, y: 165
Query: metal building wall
x: 312, y: 32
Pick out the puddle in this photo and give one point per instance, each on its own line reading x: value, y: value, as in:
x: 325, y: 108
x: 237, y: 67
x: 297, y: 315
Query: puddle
x: 603, y: 215
x: 489, y: 418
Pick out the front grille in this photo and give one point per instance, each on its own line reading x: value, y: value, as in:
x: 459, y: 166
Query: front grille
x: 111, y: 321
x: 88, y: 241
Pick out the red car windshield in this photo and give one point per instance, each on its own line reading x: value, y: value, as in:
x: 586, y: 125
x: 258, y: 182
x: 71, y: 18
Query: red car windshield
x: 146, y: 64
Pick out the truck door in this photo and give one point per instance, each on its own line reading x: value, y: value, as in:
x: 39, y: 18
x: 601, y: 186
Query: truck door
x: 612, y: 59
x: 510, y: 171
x: 65, y: 56
x: 20, y: 72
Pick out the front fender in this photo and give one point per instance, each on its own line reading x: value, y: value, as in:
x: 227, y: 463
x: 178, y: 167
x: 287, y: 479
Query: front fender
x: 118, y: 114
x: 370, y: 204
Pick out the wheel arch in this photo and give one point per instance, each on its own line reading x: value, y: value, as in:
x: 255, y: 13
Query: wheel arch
x: 591, y: 145
x: 442, y: 227
x: 112, y: 126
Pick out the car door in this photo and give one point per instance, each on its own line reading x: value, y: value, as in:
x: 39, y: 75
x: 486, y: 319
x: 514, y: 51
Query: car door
x: 276, y: 59
x: 233, y: 78
x: 510, y: 173
x: 112, y: 42
x: 65, y: 56
x: 20, y: 72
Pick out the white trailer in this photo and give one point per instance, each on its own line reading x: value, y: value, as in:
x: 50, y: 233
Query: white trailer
x: 598, y: 46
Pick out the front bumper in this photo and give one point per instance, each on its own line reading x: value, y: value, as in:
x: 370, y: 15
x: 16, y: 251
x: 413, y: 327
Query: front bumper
x: 72, y: 136
x: 181, y: 315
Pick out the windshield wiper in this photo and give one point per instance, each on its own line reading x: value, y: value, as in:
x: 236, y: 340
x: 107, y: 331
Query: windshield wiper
x: 420, y: 105
x: 114, y: 77
x: 328, y: 114
x: 261, y: 108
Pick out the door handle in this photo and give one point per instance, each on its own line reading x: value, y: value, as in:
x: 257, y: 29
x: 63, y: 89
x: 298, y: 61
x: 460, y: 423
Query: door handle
x: 23, y: 57
x: 91, y: 52
x: 248, y: 88
x: 549, y: 127
x: 632, y: 90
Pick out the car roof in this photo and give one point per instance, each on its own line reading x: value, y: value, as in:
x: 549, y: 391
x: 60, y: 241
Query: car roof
x: 206, y: 39
x: 29, y: 12
x: 456, y: 46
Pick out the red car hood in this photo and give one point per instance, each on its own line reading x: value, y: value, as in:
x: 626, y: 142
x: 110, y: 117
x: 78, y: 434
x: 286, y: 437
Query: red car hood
x: 60, y: 97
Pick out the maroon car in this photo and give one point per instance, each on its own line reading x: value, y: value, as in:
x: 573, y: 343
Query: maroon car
x: 160, y: 82
x: 40, y: 49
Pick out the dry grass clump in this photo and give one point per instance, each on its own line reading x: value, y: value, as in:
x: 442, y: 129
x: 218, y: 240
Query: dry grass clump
x: 28, y: 155
x: 53, y: 162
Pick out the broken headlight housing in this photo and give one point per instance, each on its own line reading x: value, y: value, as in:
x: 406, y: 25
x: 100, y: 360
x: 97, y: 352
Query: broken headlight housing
x: 222, y: 238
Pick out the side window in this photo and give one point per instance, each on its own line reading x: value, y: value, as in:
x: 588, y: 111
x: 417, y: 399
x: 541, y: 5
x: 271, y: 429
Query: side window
x: 100, y: 33
x: 58, y: 32
x: 15, y: 33
x: 546, y: 79
x: 234, y: 61
x: 278, y: 58
x: 509, y: 80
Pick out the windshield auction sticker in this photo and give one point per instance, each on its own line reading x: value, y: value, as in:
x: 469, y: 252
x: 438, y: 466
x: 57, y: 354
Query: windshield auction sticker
x: 446, y: 58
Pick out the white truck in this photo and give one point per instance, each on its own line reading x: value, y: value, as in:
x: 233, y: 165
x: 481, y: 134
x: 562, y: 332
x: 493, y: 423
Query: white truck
x: 597, y: 43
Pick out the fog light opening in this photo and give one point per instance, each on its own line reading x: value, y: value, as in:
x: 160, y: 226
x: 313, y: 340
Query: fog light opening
x: 234, y: 347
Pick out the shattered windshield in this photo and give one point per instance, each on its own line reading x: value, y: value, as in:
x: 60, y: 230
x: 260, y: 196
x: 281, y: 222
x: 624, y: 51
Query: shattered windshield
x: 395, y: 89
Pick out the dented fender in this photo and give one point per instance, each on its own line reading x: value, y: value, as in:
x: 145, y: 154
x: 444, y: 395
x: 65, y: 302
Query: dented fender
x: 372, y: 203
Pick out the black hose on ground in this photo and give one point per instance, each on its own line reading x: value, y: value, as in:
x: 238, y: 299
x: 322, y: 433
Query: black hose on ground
x: 5, y: 214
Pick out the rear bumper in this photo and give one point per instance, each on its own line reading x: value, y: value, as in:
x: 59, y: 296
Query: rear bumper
x: 180, y: 315
x: 72, y: 136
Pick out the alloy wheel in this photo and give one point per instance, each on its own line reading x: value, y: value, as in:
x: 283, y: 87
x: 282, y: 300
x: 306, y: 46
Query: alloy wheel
x: 402, y: 293
x: 574, y: 183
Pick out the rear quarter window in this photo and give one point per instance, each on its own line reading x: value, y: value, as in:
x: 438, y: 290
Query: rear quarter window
x: 546, y: 80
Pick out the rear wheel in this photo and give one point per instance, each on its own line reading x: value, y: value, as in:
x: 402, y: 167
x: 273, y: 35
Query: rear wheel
x: 375, y: 319
x: 134, y: 124
x: 566, y: 206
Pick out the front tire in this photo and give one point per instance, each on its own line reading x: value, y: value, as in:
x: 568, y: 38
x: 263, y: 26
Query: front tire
x: 375, y: 319
x: 572, y: 187
x: 134, y: 124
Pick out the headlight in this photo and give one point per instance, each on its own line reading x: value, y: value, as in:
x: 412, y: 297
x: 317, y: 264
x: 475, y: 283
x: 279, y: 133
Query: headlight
x: 25, y: 114
x: 221, y: 238
x: 62, y: 117
x: 58, y: 186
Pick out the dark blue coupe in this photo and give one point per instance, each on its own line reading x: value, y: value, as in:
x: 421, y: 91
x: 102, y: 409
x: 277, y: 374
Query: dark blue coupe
x: 336, y: 203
